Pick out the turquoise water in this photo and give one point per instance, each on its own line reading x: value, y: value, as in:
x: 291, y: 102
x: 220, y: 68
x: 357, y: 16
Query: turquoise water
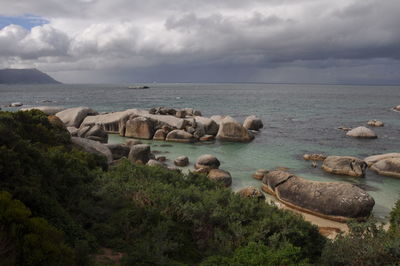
x: 297, y: 119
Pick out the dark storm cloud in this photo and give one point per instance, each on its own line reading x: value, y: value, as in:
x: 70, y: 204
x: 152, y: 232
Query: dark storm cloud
x: 237, y: 39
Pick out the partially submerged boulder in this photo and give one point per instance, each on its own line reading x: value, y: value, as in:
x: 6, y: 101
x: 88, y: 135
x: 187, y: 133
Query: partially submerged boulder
x: 387, y: 167
x: 160, y: 134
x: 178, y: 135
x: 73, y: 117
x: 93, y: 147
x: 332, y: 200
x: 139, y: 153
x: 231, y: 130
x: 251, y: 192
x: 259, y: 174
x: 397, y: 108
x: 375, y: 123
x: 181, y: 161
x: 210, y: 126
x: 207, y: 161
x: 220, y: 176
x: 253, y: 123
x: 314, y: 157
x: 362, y: 132
x: 345, y: 165
x: 370, y: 160
x: 139, y: 128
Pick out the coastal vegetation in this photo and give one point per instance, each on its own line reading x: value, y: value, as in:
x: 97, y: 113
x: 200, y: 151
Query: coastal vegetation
x: 62, y: 206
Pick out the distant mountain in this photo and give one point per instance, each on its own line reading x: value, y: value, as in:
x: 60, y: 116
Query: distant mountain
x: 25, y: 76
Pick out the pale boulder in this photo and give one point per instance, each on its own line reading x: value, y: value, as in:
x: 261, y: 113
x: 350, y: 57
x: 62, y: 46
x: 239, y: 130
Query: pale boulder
x: 180, y: 136
x: 345, y: 165
x: 73, y: 117
x: 362, y: 132
x: 92, y: 146
x: 231, y: 130
x: 140, y: 128
x: 253, y: 123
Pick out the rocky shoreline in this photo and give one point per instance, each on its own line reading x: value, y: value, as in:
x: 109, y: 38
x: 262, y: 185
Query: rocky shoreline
x: 335, y: 201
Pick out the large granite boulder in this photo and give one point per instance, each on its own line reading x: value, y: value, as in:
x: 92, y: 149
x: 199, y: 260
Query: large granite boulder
x: 210, y: 126
x: 166, y: 120
x: 178, y: 135
x: 220, y: 176
x: 231, y: 130
x: 345, y: 165
x: 93, y: 147
x: 97, y: 133
x: 73, y: 117
x: 207, y: 161
x: 370, y: 160
x: 140, y: 153
x: 362, y: 132
x: 140, y: 128
x: 332, y: 200
x: 387, y: 167
x: 217, y: 118
x: 253, y: 123
x: 112, y: 122
x: 181, y: 161
x: 251, y: 192
x: 119, y: 150
x: 48, y: 110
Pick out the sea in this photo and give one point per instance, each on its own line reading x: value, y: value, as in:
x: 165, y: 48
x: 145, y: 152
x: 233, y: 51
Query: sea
x: 298, y: 119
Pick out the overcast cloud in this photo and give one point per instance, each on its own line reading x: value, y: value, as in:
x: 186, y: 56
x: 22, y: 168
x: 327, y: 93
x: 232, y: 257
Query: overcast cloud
x: 341, y: 41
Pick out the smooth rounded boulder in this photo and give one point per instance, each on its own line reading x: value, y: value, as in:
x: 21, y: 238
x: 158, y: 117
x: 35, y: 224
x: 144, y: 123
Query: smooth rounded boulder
x: 139, y: 128
x: 231, y: 130
x: 139, y: 153
x: 387, y: 167
x: 97, y: 133
x: 345, y: 165
x: 179, y: 135
x: 207, y: 161
x: 181, y: 161
x: 160, y: 134
x: 332, y: 200
x: 211, y: 127
x: 220, y: 176
x: 251, y: 192
x: 253, y: 123
x: 73, y: 117
x: 362, y: 132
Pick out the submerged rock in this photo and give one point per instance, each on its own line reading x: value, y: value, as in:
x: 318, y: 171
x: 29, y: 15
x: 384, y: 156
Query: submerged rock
x: 73, y: 117
x: 332, y: 200
x: 345, y: 165
x: 253, y: 123
x: 220, y: 176
x: 314, y: 157
x: 387, y: 167
x: 362, y: 132
x: 207, y: 161
x: 231, y: 130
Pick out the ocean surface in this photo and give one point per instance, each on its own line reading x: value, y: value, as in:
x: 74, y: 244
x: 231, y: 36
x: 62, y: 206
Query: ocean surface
x: 297, y: 119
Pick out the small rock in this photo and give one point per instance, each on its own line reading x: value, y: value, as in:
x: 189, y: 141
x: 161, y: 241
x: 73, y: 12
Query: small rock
x: 362, y: 132
x: 251, y: 192
x: 207, y: 161
x: 207, y: 138
x: 253, y: 123
x: 16, y: 104
x: 259, y: 174
x: 161, y: 158
x: 181, y: 161
x: 314, y: 157
x: 178, y: 135
x: 133, y: 142
x: 375, y: 123
x: 156, y: 163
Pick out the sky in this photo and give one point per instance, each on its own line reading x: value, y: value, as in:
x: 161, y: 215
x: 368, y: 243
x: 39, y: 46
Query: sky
x: 271, y: 41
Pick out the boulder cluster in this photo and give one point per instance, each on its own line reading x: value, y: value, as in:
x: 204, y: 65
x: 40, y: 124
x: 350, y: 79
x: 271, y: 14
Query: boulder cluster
x: 164, y: 124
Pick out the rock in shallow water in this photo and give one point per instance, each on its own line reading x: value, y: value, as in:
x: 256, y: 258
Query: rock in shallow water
x: 207, y: 161
x: 231, y: 130
x: 139, y: 153
x: 220, y: 176
x: 387, y: 167
x: 333, y: 200
x: 181, y: 161
x: 362, y: 132
x: 345, y: 165
x: 253, y: 123
x: 178, y: 135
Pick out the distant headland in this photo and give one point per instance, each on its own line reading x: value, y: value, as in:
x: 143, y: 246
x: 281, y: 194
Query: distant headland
x: 25, y: 76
